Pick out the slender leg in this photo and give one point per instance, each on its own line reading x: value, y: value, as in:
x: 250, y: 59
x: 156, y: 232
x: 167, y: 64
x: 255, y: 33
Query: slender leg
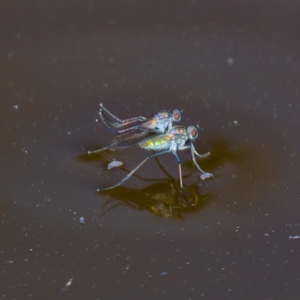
x: 108, y: 123
x: 123, y: 122
x: 180, y: 178
x: 201, y: 155
x: 194, y: 159
x: 179, y: 166
x: 97, y: 151
x: 105, y: 121
x: 133, y: 171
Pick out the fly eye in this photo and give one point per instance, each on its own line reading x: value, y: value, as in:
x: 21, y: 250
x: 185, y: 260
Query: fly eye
x: 194, y: 132
x: 176, y: 115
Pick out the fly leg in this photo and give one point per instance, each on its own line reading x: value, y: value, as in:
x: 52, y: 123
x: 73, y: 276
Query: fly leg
x: 193, y: 151
x: 180, y: 174
x: 120, y: 123
x: 201, y: 155
x: 204, y: 175
x: 108, y: 124
x: 97, y: 151
x: 105, y: 122
x: 134, y: 170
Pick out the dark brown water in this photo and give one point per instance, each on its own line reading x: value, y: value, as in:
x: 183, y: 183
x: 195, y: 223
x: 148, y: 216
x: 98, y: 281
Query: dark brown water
x: 232, y: 66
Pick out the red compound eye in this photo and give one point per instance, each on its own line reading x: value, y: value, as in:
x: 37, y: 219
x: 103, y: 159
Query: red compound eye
x: 194, y: 132
x: 176, y: 115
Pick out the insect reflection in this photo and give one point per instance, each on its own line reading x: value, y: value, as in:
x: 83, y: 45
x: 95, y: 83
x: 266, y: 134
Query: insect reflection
x: 163, y: 199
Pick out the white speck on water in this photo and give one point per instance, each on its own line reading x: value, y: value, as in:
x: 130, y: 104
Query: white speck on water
x: 294, y: 237
x: 81, y: 220
x: 69, y: 282
x: 230, y: 61
x: 24, y: 150
x: 235, y: 122
x: 164, y: 273
x: 16, y: 107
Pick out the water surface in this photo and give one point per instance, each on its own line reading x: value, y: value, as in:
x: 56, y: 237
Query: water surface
x: 233, y: 68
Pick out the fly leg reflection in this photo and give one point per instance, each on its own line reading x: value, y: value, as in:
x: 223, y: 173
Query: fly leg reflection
x: 131, y: 205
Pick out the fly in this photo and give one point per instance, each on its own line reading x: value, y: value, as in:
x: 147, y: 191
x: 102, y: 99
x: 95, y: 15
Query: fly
x: 159, y: 123
x: 175, y: 139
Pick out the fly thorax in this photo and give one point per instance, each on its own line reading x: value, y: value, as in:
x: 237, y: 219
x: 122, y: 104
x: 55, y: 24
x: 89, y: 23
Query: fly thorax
x: 173, y: 147
x: 181, y: 142
x: 161, y: 127
x: 164, y: 115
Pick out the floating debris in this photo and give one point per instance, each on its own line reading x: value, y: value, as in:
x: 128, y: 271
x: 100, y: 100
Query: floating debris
x: 206, y: 176
x: 69, y: 282
x: 164, y: 273
x: 292, y: 237
x: 114, y: 164
x: 230, y: 61
x: 24, y: 150
x: 81, y: 220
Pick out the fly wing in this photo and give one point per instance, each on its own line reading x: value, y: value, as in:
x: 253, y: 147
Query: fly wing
x: 149, y: 125
x: 129, y: 140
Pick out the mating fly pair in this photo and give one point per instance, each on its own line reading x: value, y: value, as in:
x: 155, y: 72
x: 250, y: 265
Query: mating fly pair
x: 156, y: 133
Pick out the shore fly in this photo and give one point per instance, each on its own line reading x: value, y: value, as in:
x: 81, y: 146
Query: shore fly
x: 175, y: 139
x: 159, y: 123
